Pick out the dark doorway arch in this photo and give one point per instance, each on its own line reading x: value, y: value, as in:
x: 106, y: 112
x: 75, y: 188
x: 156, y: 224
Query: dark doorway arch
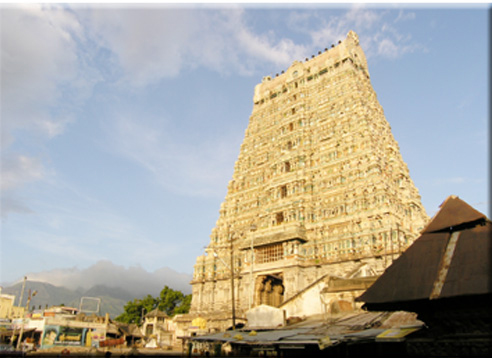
x: 269, y: 290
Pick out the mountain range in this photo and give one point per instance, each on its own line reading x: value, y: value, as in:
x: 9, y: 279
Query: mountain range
x: 47, y: 295
x: 115, y: 285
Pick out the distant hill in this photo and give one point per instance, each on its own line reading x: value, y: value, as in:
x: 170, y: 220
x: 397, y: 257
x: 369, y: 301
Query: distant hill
x: 46, y: 294
x: 112, y: 300
x: 114, y: 284
x: 133, y: 279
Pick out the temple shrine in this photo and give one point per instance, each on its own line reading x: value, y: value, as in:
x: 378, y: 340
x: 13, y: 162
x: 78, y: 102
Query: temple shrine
x: 319, y: 193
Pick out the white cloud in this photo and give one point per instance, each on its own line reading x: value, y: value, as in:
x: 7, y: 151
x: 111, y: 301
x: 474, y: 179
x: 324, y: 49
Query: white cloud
x: 194, y: 169
x: 151, y: 44
x: 10, y: 204
x: 378, y: 35
x: 405, y: 16
x: 388, y: 48
x: 20, y: 169
x: 40, y: 76
x: 362, y: 18
x: 225, y: 43
x: 16, y: 171
x: 38, y: 54
x: 262, y: 48
x: 335, y: 28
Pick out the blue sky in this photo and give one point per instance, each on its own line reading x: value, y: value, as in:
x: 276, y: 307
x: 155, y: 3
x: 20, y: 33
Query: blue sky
x: 121, y: 124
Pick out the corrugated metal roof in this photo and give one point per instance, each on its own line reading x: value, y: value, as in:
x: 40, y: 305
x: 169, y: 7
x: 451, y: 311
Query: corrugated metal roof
x: 451, y: 258
x: 365, y: 334
x: 361, y: 326
x: 265, y: 336
x: 362, y: 320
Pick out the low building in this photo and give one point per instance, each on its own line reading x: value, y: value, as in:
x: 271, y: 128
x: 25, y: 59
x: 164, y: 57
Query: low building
x: 6, y: 304
x: 131, y: 334
x: 445, y: 277
x: 61, y: 327
x: 7, y: 308
x: 156, y: 330
x: 328, y: 295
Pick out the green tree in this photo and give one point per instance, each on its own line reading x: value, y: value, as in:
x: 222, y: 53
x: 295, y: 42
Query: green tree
x: 185, y: 305
x: 136, y: 309
x: 169, y: 301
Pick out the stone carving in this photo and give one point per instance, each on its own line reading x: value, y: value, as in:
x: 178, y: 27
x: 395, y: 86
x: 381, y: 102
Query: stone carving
x: 319, y: 187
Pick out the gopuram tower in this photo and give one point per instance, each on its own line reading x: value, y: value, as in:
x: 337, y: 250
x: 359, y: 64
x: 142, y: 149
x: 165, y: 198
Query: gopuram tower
x: 319, y: 188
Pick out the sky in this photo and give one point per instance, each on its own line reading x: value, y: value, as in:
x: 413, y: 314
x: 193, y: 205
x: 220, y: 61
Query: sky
x: 120, y: 125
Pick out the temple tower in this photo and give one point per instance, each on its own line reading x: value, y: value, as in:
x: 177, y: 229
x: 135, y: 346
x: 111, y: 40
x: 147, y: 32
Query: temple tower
x: 319, y: 188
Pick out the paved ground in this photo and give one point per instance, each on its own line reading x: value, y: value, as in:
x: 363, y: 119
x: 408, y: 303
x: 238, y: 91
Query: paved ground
x: 114, y: 352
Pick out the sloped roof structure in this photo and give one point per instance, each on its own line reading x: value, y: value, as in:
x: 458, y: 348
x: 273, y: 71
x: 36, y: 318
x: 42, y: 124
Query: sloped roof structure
x: 364, y: 326
x: 156, y: 313
x: 130, y: 330
x: 451, y: 258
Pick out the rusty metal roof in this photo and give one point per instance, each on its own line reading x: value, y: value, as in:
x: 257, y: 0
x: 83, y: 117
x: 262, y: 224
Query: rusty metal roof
x: 451, y: 258
x: 454, y: 213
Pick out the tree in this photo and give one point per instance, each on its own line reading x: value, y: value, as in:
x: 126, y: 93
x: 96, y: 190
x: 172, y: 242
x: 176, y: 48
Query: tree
x: 185, y: 305
x: 169, y: 301
x: 136, y: 309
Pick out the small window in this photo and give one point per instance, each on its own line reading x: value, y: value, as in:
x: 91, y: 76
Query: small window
x: 283, y: 191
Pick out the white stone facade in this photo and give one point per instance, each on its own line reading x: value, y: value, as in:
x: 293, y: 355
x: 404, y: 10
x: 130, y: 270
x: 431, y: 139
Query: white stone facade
x: 319, y: 188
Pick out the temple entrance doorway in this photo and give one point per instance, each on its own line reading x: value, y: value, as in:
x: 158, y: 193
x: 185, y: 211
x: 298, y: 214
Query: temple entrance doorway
x: 269, y: 290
